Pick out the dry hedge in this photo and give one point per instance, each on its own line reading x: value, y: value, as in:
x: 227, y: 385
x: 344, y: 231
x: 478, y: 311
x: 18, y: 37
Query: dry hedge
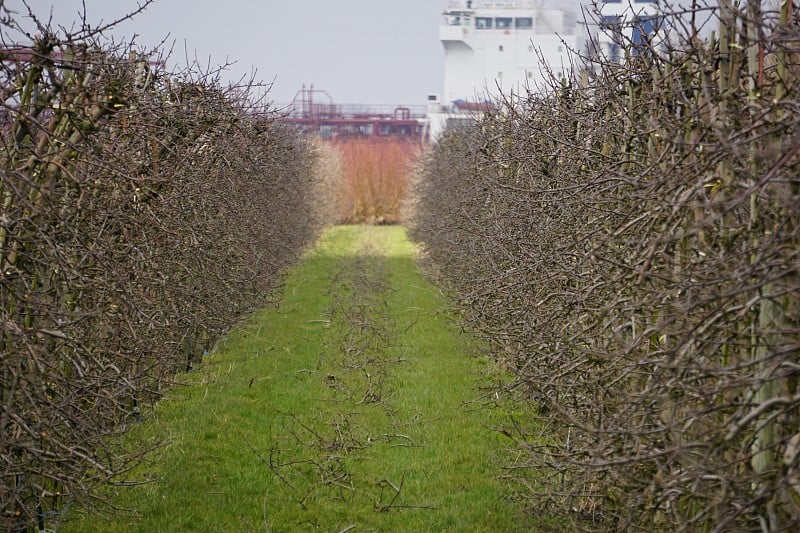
x: 628, y: 244
x: 143, y: 212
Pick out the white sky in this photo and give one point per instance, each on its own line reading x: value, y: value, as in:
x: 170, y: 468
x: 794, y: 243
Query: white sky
x: 360, y: 51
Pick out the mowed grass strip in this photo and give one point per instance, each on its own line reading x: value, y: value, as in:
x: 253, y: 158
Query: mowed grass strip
x: 348, y: 407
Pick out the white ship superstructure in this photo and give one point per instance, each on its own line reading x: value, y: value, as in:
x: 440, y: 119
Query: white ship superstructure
x: 499, y: 47
x: 617, y: 25
x: 496, y: 46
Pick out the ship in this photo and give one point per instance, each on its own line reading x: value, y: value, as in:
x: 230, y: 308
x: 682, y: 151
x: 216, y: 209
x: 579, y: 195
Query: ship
x: 617, y: 28
x: 492, y: 50
x: 313, y: 111
x: 500, y: 49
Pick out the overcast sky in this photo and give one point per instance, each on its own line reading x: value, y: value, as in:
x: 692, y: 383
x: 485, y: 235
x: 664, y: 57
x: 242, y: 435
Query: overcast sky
x: 360, y: 51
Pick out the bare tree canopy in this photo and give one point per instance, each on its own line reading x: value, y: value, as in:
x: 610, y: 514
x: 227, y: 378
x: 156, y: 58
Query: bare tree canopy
x: 143, y: 213
x: 628, y: 244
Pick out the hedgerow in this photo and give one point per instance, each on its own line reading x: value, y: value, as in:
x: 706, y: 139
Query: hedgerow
x: 144, y: 212
x: 627, y: 242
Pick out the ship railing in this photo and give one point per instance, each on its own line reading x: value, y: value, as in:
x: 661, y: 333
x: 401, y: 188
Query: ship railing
x: 493, y: 4
x: 353, y: 111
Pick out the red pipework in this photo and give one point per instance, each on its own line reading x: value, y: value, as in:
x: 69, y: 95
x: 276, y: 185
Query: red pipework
x: 330, y: 120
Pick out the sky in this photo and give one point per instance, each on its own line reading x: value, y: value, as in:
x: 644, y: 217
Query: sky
x: 359, y: 51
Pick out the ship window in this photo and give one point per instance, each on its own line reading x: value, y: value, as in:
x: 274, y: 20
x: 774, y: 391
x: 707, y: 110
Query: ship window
x: 524, y: 23
x: 455, y: 20
x: 502, y: 23
x: 483, y: 23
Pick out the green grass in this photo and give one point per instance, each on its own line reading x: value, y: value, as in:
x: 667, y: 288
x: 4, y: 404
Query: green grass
x: 347, y: 405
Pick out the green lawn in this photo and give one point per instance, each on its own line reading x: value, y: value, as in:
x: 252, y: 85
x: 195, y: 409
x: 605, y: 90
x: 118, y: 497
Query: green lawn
x: 346, y: 408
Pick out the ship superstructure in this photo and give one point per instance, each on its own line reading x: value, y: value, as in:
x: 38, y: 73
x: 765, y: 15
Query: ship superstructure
x: 313, y: 111
x: 494, y: 46
x: 499, y: 47
x: 615, y: 26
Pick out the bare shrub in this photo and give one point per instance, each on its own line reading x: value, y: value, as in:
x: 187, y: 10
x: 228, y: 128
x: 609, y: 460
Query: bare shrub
x: 143, y: 212
x: 628, y: 244
x: 330, y: 185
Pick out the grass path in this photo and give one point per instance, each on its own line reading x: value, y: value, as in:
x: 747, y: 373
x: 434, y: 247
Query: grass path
x: 353, y: 406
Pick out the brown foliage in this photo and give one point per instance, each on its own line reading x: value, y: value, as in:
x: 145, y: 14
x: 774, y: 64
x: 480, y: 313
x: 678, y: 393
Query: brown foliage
x: 629, y: 246
x: 374, y: 178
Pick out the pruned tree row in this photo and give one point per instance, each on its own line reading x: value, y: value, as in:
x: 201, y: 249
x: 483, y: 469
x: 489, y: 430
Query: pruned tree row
x: 628, y: 245
x: 143, y: 212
